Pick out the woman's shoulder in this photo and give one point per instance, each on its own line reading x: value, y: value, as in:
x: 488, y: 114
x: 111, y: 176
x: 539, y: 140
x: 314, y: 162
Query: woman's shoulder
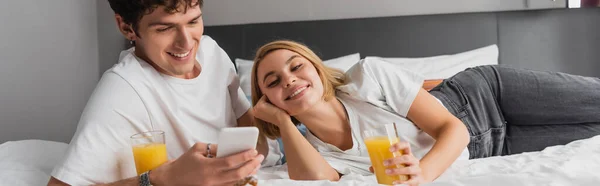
x: 365, y: 76
x: 360, y: 102
x: 374, y: 68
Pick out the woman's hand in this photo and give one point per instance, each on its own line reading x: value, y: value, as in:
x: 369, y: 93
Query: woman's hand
x: 270, y: 113
x: 407, y: 159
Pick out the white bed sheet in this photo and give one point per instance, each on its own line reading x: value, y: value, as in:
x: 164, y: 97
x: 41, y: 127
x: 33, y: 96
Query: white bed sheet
x: 577, y: 163
x: 29, y: 162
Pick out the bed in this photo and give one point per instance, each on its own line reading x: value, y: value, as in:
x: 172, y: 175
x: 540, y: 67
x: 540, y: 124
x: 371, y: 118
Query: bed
x: 29, y: 162
x: 573, y: 164
x: 537, y: 40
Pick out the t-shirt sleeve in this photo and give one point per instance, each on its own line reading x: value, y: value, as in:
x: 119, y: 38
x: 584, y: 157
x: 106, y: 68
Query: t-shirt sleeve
x: 383, y: 84
x: 241, y: 104
x: 100, y: 150
x: 239, y: 101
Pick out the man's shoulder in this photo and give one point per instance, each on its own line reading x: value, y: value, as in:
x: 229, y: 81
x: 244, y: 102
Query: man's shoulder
x: 209, y: 49
x: 132, y: 69
x: 112, y: 86
x: 120, y: 83
x: 127, y: 61
x: 213, y: 57
x: 208, y: 45
x: 207, y: 40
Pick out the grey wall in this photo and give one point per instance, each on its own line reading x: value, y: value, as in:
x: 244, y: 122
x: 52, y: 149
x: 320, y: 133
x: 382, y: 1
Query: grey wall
x: 565, y: 40
x: 228, y: 12
x: 49, y: 57
x: 110, y: 40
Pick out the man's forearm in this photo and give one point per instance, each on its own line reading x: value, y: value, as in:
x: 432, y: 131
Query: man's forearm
x: 130, y: 181
x: 134, y: 181
x: 263, y: 145
x: 153, y: 177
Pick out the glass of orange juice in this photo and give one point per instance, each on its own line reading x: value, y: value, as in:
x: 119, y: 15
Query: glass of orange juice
x: 149, y: 150
x: 378, y: 141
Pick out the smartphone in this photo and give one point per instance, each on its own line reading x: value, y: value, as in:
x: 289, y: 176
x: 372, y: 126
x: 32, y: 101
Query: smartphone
x: 236, y: 139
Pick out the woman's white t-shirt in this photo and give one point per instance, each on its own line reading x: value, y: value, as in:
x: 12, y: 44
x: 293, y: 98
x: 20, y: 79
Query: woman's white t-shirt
x: 378, y: 92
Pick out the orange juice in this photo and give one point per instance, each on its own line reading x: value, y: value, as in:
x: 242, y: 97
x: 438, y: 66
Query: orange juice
x: 149, y: 156
x: 378, y: 147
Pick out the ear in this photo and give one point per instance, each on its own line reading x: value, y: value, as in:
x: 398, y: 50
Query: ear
x: 124, y: 28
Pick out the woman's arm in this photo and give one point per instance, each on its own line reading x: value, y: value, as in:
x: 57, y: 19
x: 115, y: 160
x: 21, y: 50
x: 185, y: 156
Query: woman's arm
x: 450, y: 134
x: 304, y: 162
x: 375, y: 80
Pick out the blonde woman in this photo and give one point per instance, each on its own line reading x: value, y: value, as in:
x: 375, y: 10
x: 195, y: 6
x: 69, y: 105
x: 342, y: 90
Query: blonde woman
x: 461, y: 118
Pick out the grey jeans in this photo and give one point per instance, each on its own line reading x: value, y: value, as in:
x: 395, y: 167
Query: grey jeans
x: 509, y: 110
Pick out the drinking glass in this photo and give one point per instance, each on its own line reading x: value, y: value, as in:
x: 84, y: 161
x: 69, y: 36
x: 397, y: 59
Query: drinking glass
x: 149, y: 150
x: 378, y: 141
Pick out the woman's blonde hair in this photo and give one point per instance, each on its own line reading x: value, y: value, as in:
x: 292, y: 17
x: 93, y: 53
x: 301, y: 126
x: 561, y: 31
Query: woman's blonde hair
x: 330, y: 77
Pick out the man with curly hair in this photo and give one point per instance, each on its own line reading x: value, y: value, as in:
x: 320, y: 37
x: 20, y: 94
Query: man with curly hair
x: 173, y: 79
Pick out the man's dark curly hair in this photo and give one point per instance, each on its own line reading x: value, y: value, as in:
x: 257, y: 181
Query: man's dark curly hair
x: 132, y: 11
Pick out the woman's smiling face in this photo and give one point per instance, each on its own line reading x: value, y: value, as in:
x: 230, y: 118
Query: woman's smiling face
x: 290, y: 81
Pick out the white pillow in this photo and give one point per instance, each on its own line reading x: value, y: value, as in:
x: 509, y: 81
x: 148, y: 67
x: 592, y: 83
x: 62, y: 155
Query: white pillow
x: 19, y: 173
x: 445, y: 66
x: 343, y: 63
x: 39, y: 154
x: 244, y: 69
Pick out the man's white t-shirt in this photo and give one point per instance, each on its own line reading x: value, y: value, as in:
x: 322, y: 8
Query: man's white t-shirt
x: 377, y: 93
x: 133, y: 97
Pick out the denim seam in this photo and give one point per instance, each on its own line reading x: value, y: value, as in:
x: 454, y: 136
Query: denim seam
x: 496, y: 94
x: 462, y: 95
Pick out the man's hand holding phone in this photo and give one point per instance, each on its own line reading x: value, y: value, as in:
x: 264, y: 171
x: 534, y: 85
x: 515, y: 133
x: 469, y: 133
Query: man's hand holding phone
x: 194, y: 168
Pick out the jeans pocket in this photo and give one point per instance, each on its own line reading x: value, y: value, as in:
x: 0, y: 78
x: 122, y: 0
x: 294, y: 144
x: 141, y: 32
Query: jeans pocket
x: 457, y: 98
x: 497, y: 139
x: 478, y: 146
x: 486, y: 144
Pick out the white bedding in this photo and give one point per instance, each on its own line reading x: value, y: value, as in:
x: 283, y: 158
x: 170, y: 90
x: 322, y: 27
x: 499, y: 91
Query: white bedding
x: 577, y: 163
x: 29, y: 162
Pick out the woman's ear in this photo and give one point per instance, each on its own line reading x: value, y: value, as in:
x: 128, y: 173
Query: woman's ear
x: 124, y: 28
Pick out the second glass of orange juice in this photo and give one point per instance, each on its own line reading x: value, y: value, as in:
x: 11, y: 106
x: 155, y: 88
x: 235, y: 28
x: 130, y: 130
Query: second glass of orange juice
x: 378, y: 141
x: 149, y: 150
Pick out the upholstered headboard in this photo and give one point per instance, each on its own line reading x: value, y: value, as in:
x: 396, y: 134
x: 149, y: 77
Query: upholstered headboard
x: 565, y: 40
